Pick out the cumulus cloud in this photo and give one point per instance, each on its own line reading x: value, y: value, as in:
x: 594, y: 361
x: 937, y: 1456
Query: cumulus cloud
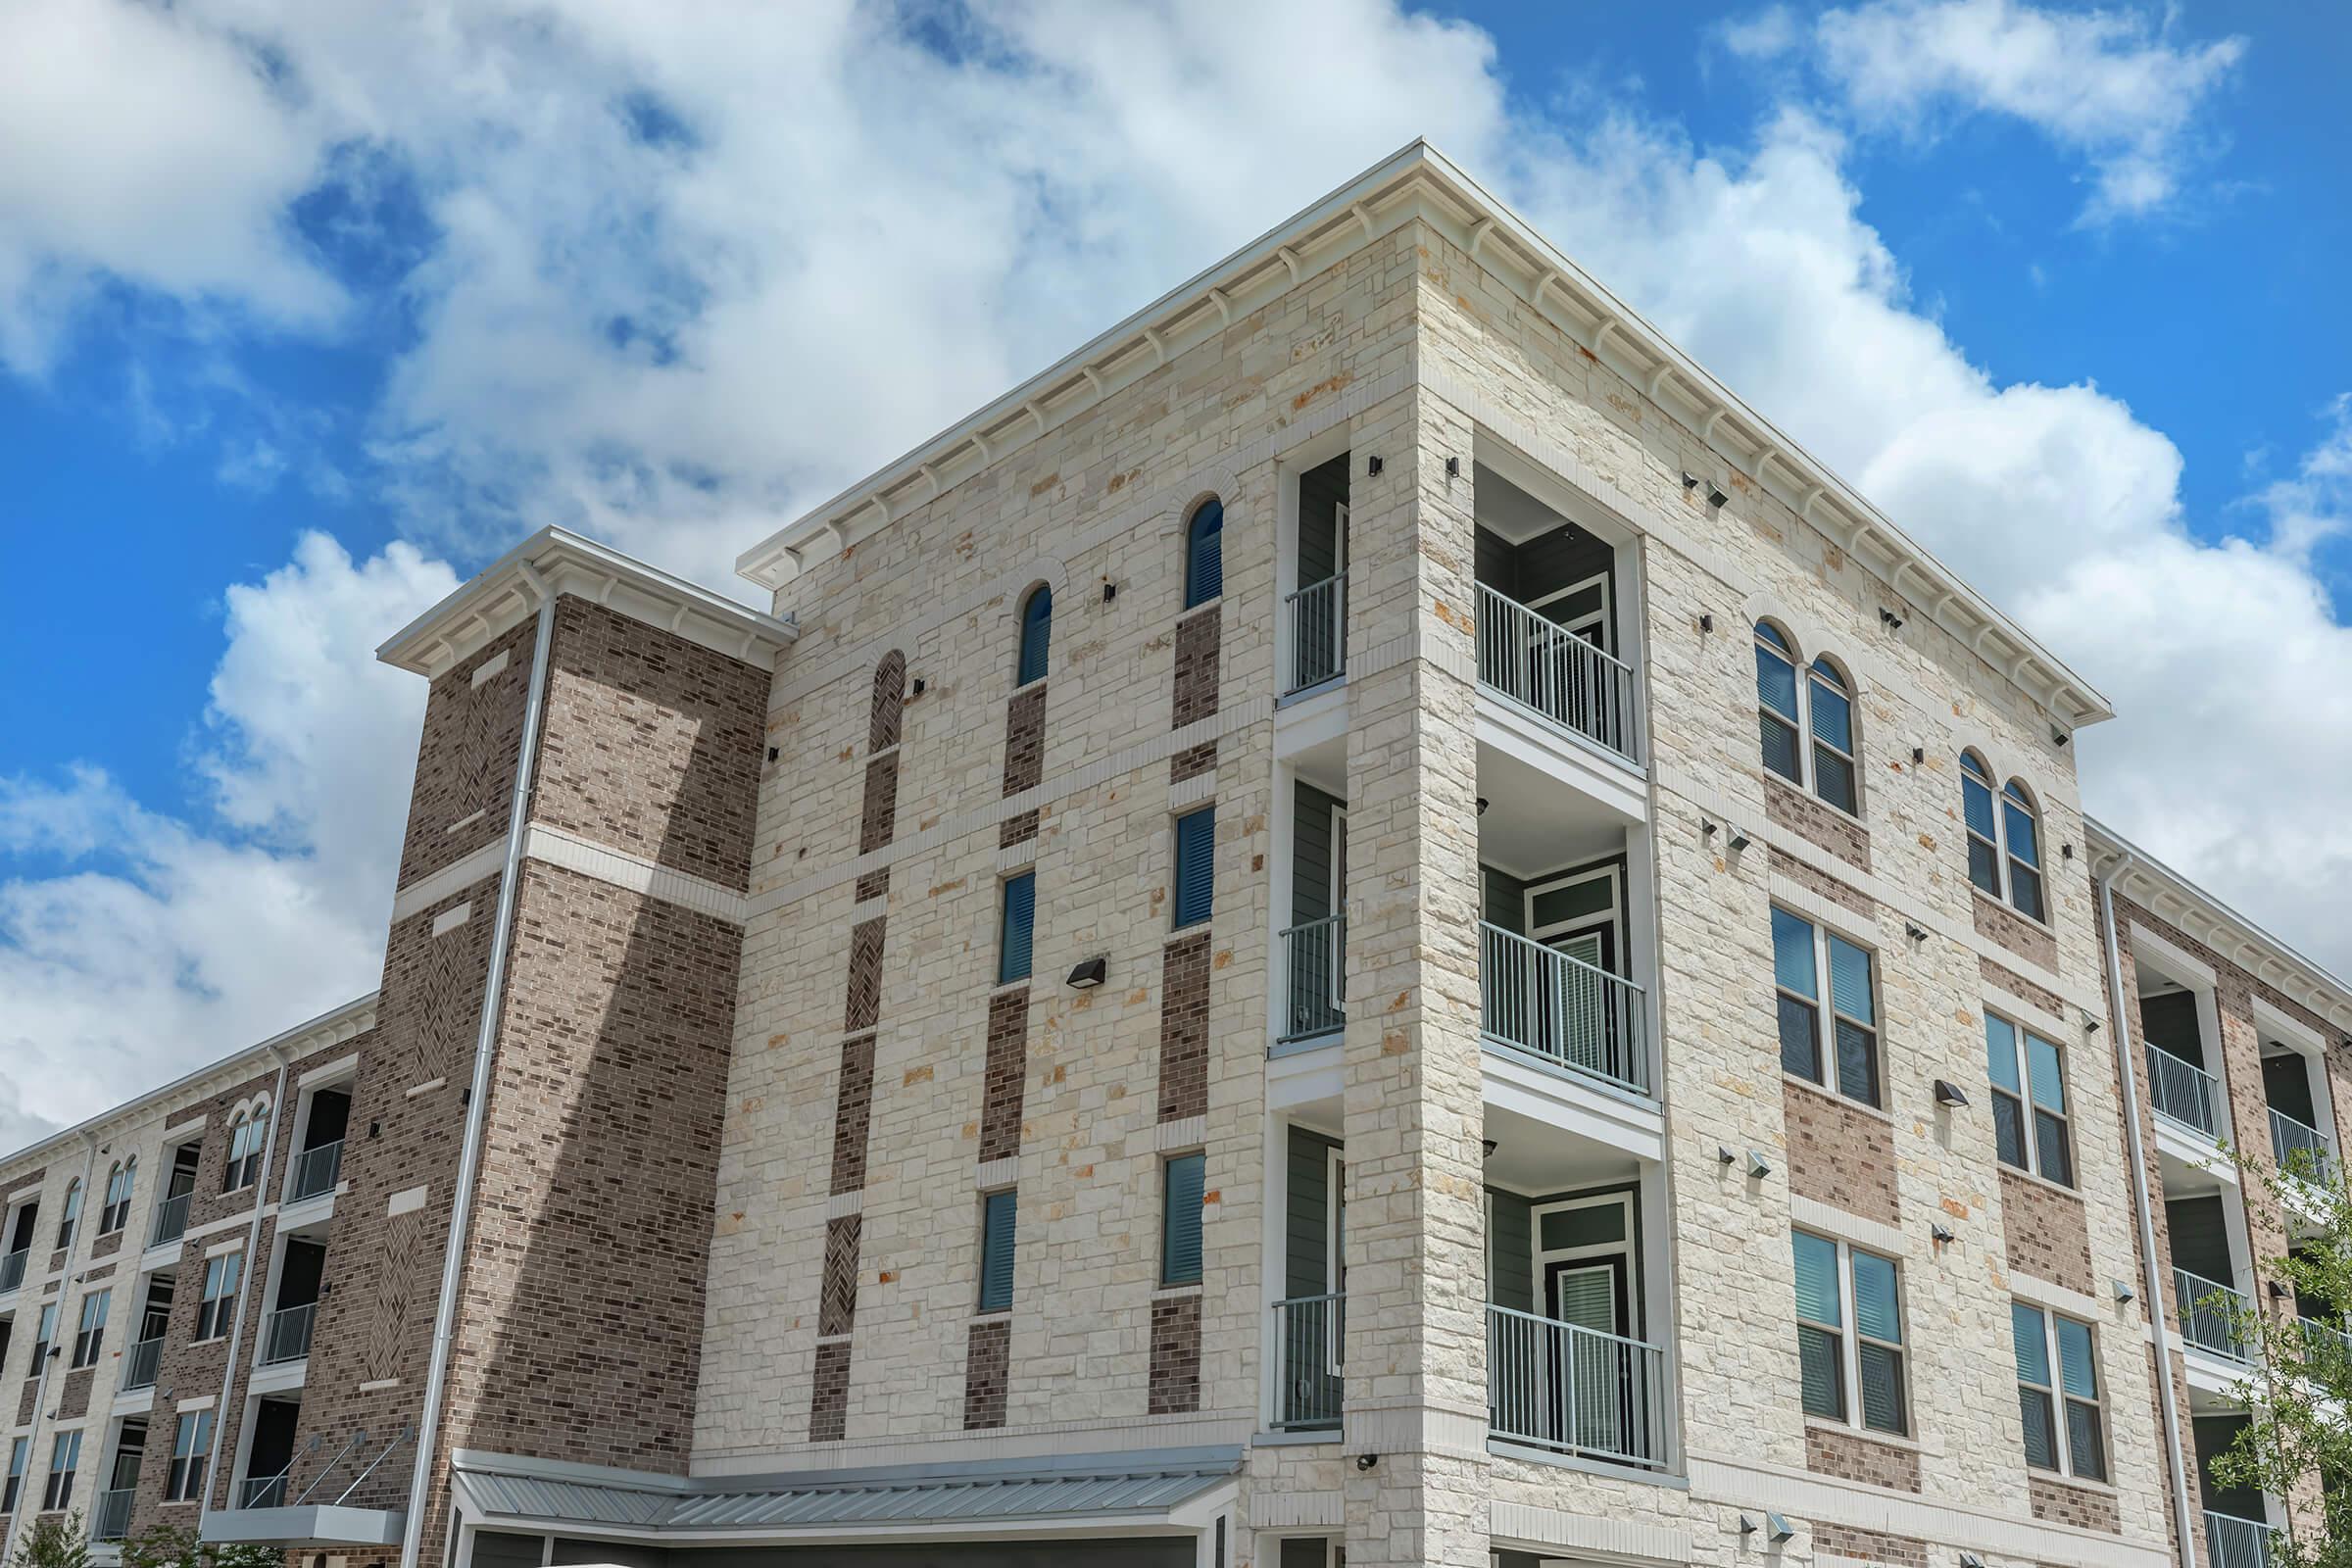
x: 674, y: 276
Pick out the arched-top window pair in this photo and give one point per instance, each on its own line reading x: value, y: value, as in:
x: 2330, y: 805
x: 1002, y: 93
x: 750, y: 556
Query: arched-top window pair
x: 2004, y: 845
x: 71, y: 1215
x: 118, y: 1180
x: 246, y: 1136
x: 1787, y: 708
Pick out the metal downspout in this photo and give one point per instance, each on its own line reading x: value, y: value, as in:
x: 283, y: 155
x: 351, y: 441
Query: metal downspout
x: 461, y: 1208
x: 41, y: 1393
x: 2152, y: 1286
x: 236, y: 1328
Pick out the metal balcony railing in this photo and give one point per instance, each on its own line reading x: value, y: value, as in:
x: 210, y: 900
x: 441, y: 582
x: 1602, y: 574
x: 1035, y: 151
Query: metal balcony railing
x: 1544, y: 666
x: 1570, y: 1012
x: 288, y: 1335
x: 2303, y: 1150
x: 1574, y: 1389
x: 263, y: 1492
x: 1315, y: 624
x: 1314, y: 963
x: 171, y: 1220
x: 110, y: 1520
x: 2210, y: 1314
x: 2184, y: 1093
x: 316, y: 1170
x: 139, y: 1364
x: 12, y: 1269
x: 2234, y: 1543
x: 1307, y: 1334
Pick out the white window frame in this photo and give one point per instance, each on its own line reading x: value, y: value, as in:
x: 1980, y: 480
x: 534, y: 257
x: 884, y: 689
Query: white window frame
x: 1849, y: 1338
x: 45, y: 1335
x: 191, y: 1455
x: 245, y: 1159
x: 2062, y: 1432
x: 122, y: 1178
x: 55, y: 1497
x: 2027, y: 1108
x: 1825, y: 1007
x: 2005, y: 890
x: 89, y: 1337
x: 1335, y: 1257
x: 230, y: 1271
x: 1808, y: 776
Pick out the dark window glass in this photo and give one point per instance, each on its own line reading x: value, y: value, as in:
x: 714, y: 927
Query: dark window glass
x: 2050, y: 1148
x: 997, y: 1213
x: 1016, y: 927
x: 2041, y: 1431
x: 1780, y: 747
x: 1196, y: 860
x: 2009, y: 1130
x: 1823, y: 1377
x: 1983, y: 866
x: 1833, y: 781
x: 1800, y: 1039
x: 1180, y: 1220
x: 1857, y: 1063
x: 1204, y: 555
x: 1037, y: 635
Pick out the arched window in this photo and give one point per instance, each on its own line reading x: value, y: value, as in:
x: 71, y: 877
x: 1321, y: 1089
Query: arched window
x: 1037, y: 633
x: 118, y: 1181
x: 1833, y: 713
x: 889, y: 702
x: 2020, y: 829
x: 1204, y: 554
x: 1776, y: 701
x: 1984, y: 829
x: 246, y: 1137
x: 70, y: 1213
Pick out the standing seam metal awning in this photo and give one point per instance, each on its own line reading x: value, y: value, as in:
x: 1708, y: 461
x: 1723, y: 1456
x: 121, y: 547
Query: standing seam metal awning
x: 994, y: 1497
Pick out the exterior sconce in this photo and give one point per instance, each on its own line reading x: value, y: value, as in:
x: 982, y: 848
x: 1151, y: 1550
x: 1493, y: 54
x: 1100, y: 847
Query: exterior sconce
x: 1089, y: 974
x: 1948, y: 1093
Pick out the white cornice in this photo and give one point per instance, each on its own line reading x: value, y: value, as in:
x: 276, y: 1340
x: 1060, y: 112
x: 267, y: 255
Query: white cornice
x: 507, y: 591
x: 1421, y: 181
x: 2156, y: 887
x: 327, y: 1030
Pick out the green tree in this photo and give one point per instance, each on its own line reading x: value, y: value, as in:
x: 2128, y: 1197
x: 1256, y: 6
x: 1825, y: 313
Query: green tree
x: 53, y: 1542
x: 2297, y: 1441
x: 177, y: 1547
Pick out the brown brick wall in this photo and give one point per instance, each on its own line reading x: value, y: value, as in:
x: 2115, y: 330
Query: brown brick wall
x: 1855, y: 1457
x: 829, y: 1394
x: 1024, y: 758
x: 1840, y: 1153
x: 1816, y: 821
x: 2012, y: 930
x: 853, y: 1112
x: 2017, y: 985
x: 1197, y: 639
x: 651, y: 744
x: 1175, y: 1354
x: 988, y: 1363
x: 2080, y: 1506
x: 837, y: 1300
x: 1869, y: 1546
x: 1184, y: 1028
x: 1827, y: 887
x: 878, y: 821
x: 1008, y: 1074
x: 863, y: 1008
x: 888, y: 704
x: 466, y: 757
x: 2047, y: 1234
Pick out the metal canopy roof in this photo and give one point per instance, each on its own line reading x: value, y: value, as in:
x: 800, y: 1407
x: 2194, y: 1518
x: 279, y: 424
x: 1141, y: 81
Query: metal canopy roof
x: 1039, y: 1491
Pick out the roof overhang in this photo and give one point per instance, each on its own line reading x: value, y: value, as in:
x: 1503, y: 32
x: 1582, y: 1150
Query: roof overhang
x: 1155, y: 1493
x: 317, y: 1524
x: 2156, y: 887
x: 556, y: 560
x: 1421, y: 181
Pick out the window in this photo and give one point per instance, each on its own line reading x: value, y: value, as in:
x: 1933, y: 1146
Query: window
x: 1014, y: 926
x: 117, y: 1213
x: 92, y: 1332
x: 72, y: 1213
x: 2004, y: 838
x: 1976, y: 809
x: 217, y: 1303
x: 65, y: 1457
x: 1204, y: 554
x: 1801, y: 953
x: 1856, y: 1378
x: 1037, y: 634
x: 15, y: 1482
x: 2029, y: 1074
x: 1180, y: 1219
x: 191, y: 1447
x: 2024, y: 833
x: 43, y: 1335
x: 1833, y: 739
x: 1196, y: 869
x: 245, y: 1141
x: 2076, y: 1445
x: 996, y: 1213
x: 1776, y: 700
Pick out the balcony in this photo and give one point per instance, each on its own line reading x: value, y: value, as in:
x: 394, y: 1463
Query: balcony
x: 170, y: 1220
x: 2184, y: 1093
x: 1555, y: 673
x: 288, y: 1335
x: 110, y: 1520
x: 316, y: 1171
x: 1314, y: 978
x: 12, y: 1269
x: 2210, y: 1314
x: 1570, y: 1013
x: 2302, y: 1150
x: 1307, y: 1335
x: 1314, y: 631
x: 139, y: 1364
x: 2234, y: 1543
x: 1575, y: 1391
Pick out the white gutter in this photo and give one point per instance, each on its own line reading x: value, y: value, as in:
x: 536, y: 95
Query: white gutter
x: 477, y: 1104
x: 2152, y: 1284
x: 40, y: 1394
x: 245, y: 1276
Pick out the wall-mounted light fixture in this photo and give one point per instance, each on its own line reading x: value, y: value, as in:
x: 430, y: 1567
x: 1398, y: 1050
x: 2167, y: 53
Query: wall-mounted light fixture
x: 1716, y: 498
x: 1482, y: 806
x: 1690, y: 481
x: 1372, y: 466
x: 1919, y: 753
x: 1969, y: 1559
x: 1723, y: 1155
x: 1776, y: 1527
x: 1453, y: 468
x: 1706, y: 623
x: 919, y: 685
x: 1489, y: 1146
x: 1914, y: 931
x: 1738, y: 841
x: 1890, y: 619
x: 1948, y: 1095
x: 1089, y: 973
x: 2124, y: 1291
x: 1111, y: 591
x: 2090, y: 1020
x: 1758, y: 1167
x: 2058, y: 737
x: 1365, y: 1462
x: 1940, y: 1234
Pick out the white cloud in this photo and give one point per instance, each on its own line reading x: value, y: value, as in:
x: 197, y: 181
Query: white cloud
x: 2103, y: 84
x: 687, y: 274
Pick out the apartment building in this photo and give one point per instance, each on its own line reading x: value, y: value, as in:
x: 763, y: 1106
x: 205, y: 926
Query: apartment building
x: 1369, y: 922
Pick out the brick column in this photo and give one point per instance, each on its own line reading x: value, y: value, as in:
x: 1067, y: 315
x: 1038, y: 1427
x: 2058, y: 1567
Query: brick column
x: 1415, y: 1386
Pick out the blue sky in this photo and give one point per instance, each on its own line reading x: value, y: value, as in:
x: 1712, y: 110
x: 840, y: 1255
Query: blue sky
x: 314, y: 314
